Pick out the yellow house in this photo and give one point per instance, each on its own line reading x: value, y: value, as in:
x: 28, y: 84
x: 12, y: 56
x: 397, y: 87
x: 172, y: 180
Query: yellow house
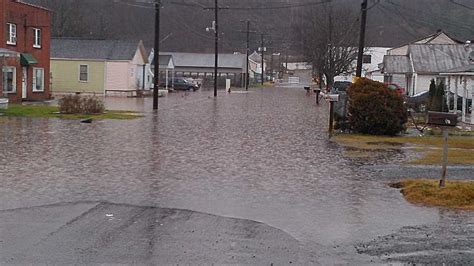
x: 97, y: 66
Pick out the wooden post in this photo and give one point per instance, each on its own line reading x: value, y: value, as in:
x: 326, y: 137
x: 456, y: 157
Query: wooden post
x: 442, y: 182
x: 331, y: 118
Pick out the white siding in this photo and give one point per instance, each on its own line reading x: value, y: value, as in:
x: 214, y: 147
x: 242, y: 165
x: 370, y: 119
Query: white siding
x: 423, y: 82
x: 117, y: 77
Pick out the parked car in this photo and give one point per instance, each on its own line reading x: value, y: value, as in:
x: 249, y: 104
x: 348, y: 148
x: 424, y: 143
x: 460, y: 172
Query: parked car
x: 395, y: 87
x: 181, y: 84
x: 340, y: 86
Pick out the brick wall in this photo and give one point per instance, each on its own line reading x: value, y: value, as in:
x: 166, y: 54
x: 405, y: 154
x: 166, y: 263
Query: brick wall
x: 27, y: 17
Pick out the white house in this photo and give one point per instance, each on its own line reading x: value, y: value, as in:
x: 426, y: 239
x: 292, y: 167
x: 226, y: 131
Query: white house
x: 373, y: 57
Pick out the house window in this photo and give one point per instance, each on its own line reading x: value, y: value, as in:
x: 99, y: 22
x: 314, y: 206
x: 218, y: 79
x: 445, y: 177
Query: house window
x: 9, y: 79
x: 367, y: 59
x: 38, y: 79
x: 83, y: 73
x: 11, y: 34
x: 37, y: 38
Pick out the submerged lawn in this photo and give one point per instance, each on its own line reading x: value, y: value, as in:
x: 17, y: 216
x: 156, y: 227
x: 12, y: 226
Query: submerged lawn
x: 461, y: 148
x: 47, y: 111
x: 456, y: 194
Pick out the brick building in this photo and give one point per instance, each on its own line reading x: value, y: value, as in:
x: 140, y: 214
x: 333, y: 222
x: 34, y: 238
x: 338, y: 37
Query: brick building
x: 25, y: 34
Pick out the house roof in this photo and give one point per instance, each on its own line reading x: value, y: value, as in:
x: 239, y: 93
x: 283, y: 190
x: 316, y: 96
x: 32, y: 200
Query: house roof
x: 207, y: 60
x: 72, y: 48
x: 165, y: 60
x: 436, y: 58
x: 255, y: 57
x: 397, y: 64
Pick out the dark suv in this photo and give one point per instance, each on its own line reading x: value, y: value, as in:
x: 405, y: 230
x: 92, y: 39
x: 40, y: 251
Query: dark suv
x: 181, y: 84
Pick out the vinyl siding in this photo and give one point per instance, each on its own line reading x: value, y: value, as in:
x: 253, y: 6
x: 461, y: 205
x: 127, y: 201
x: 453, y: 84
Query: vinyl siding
x: 118, y: 76
x: 65, y: 76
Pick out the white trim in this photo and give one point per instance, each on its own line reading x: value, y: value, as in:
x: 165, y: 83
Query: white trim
x: 11, y: 33
x: 14, y: 79
x: 79, y: 77
x: 37, y: 36
x: 34, y: 82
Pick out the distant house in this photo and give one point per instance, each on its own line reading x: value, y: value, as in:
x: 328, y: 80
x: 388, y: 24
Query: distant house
x: 422, y: 63
x: 399, y: 67
x: 166, y: 69
x: 373, y: 57
x: 98, y: 66
x: 25, y: 34
x: 200, y: 65
x: 256, y: 66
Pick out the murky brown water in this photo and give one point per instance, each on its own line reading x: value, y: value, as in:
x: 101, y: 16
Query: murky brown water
x: 263, y: 156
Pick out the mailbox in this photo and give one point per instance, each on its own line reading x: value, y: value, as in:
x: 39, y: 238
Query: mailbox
x: 332, y: 97
x: 318, y: 91
x: 442, y: 119
x: 307, y: 88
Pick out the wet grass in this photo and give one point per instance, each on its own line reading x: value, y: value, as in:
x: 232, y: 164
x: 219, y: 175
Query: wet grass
x: 461, y: 148
x: 456, y: 194
x: 46, y: 111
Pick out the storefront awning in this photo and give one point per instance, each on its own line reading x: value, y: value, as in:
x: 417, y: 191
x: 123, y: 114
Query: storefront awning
x: 28, y: 59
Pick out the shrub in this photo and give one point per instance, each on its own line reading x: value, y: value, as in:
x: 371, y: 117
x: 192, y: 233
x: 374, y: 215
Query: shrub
x: 92, y: 105
x: 374, y: 109
x: 75, y: 104
x: 70, y: 104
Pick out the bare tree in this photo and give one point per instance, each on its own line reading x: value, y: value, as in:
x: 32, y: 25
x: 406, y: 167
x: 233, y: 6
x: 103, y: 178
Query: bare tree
x: 68, y: 20
x: 328, y: 40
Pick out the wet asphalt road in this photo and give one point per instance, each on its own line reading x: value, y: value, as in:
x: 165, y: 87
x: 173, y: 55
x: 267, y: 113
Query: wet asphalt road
x: 258, y: 160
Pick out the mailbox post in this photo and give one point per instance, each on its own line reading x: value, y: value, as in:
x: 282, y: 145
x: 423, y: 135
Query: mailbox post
x: 317, y: 92
x: 444, y: 121
x: 331, y: 98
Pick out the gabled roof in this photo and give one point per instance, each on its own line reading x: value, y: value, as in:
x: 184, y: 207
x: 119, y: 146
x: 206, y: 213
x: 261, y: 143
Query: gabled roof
x: 440, y: 37
x: 397, y: 64
x: 72, y: 48
x: 207, y: 60
x: 436, y: 58
x: 255, y: 57
x: 165, y: 60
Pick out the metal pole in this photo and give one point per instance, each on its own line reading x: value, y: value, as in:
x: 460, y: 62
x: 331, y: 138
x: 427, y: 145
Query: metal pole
x: 216, y: 40
x: 442, y: 182
x: 247, y: 76
x: 156, y: 78
x: 361, y: 39
x: 263, y: 64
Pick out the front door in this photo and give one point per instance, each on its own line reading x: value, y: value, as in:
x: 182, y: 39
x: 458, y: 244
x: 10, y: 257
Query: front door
x: 24, y: 83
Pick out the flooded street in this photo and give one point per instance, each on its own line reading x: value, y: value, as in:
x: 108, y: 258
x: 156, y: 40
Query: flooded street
x: 262, y: 156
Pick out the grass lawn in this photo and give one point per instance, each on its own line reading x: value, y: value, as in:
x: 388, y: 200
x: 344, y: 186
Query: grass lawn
x: 16, y: 110
x: 461, y: 148
x: 456, y: 194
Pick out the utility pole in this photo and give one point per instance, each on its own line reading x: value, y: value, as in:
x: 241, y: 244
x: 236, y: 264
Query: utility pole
x: 362, y: 38
x: 216, y: 49
x: 247, y: 76
x: 156, y: 59
x: 262, y: 49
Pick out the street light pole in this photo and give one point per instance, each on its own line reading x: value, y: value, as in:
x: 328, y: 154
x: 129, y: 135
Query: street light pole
x: 156, y: 55
x: 216, y: 40
x: 361, y: 39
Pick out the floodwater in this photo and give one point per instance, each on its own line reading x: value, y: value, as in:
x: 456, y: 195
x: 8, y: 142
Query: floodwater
x: 262, y: 155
